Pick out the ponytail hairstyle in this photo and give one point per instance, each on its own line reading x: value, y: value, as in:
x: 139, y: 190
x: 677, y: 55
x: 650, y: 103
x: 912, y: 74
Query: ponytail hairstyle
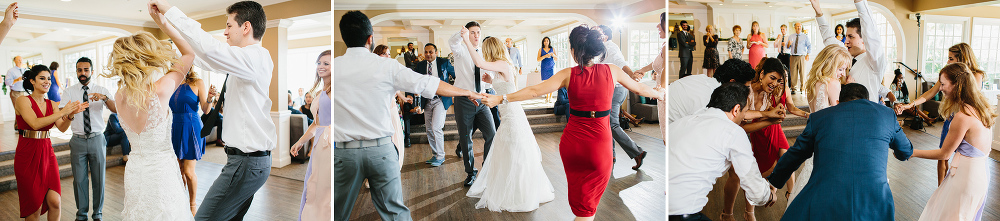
x: 586, y: 44
x: 30, y: 76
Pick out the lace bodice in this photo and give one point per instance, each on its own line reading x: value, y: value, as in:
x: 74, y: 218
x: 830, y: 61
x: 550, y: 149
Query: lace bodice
x: 150, y: 141
x: 821, y: 101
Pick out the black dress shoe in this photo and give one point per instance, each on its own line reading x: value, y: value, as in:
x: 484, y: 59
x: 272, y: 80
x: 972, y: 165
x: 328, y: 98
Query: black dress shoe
x: 638, y: 160
x: 469, y: 180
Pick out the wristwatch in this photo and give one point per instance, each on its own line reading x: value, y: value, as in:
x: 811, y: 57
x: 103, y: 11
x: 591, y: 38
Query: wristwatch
x: 504, y: 101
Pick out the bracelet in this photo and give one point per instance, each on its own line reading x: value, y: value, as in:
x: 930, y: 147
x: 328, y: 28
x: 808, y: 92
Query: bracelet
x: 504, y: 101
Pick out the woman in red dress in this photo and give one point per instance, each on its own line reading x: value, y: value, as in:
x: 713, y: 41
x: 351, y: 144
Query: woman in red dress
x: 586, y: 141
x: 768, y: 140
x: 36, y: 170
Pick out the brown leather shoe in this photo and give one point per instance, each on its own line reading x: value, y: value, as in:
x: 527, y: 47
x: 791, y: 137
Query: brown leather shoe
x: 638, y: 160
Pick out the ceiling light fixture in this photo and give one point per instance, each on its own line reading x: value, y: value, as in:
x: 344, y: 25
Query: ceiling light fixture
x: 618, y: 22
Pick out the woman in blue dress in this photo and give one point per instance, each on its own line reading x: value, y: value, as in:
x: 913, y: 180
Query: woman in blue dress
x: 547, y: 56
x: 189, y: 145
x: 53, y: 92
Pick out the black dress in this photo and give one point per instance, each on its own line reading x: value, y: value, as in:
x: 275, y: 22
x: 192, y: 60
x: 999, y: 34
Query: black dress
x: 711, y: 53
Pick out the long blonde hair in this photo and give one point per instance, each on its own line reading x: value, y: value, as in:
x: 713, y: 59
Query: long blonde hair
x: 963, y: 53
x: 829, y: 59
x: 493, y: 50
x: 135, y: 59
x: 966, y: 92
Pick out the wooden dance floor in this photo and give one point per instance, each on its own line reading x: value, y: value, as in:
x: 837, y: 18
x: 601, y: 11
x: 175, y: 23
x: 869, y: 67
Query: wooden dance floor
x: 278, y: 199
x: 437, y: 193
x: 912, y: 183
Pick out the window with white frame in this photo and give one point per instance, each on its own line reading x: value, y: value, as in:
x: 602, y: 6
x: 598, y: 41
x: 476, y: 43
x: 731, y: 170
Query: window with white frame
x: 938, y: 37
x: 644, y: 46
x: 520, y: 49
x: 985, y: 46
x: 560, y: 45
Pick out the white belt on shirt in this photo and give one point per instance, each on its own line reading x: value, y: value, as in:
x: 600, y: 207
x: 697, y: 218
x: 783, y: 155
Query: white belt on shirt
x: 364, y: 143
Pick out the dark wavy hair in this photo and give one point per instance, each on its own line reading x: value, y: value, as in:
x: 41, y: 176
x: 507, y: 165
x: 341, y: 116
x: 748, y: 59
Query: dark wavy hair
x: 586, y: 44
x: 31, y: 74
x: 543, y: 42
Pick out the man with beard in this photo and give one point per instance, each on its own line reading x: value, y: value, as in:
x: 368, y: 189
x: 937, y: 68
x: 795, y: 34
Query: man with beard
x: 87, y: 147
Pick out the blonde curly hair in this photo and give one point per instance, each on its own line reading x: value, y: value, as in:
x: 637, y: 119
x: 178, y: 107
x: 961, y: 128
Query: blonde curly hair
x: 825, y: 68
x: 135, y: 59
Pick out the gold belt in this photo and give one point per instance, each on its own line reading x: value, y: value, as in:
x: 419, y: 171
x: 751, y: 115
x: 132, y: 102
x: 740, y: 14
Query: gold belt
x: 34, y: 134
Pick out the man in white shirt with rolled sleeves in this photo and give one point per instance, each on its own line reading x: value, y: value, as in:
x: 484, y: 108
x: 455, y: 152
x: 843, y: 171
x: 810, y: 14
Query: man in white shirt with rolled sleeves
x: 13, y: 79
x: 363, y: 147
x: 250, y: 139
x: 710, y: 143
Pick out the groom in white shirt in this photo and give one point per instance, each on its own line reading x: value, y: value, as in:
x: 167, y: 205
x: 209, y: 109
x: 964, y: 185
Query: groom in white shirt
x: 249, y: 140
x: 468, y: 113
x: 861, y: 35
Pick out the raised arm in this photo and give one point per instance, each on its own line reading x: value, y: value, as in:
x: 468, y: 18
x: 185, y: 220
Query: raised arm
x: 9, y: 18
x: 477, y: 58
x: 824, y: 26
x: 871, y: 37
x: 216, y: 55
x: 175, y: 76
x: 203, y: 95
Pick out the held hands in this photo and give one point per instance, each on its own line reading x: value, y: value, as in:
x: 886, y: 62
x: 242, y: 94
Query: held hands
x: 899, y: 108
x: 10, y: 15
x: 492, y: 100
x: 774, y: 198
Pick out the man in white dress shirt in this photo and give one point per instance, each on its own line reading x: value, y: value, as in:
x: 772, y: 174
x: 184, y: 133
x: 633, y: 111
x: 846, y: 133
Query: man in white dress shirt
x: 363, y: 147
x: 865, y: 45
x: 710, y: 143
x: 87, y: 147
x: 250, y: 139
x: 470, y: 114
x: 613, y: 55
x: 13, y: 79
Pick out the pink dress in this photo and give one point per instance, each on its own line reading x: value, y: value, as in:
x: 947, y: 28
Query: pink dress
x: 962, y: 193
x: 756, y: 51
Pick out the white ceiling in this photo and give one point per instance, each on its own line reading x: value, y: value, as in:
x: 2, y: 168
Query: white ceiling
x: 36, y: 33
x: 478, y: 4
x: 130, y: 12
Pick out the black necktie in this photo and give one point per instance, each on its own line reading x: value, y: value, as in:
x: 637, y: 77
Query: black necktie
x: 222, y: 97
x: 86, y: 112
x: 854, y: 60
x: 477, y: 80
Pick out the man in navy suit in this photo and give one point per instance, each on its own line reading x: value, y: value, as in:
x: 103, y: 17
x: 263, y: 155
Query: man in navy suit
x: 435, y: 107
x: 850, y: 144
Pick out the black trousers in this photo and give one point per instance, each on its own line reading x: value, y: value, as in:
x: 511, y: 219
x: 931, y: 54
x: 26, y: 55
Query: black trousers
x: 686, y: 63
x: 406, y: 128
x: 693, y: 217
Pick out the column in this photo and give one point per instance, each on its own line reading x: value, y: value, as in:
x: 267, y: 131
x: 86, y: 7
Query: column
x: 275, y: 40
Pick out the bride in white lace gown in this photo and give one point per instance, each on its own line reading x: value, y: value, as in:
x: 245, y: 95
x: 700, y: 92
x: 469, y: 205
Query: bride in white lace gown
x: 154, y: 189
x: 823, y: 91
x: 512, y: 178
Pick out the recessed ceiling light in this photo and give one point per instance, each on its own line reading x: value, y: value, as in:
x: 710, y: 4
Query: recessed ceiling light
x: 720, y: 3
x: 67, y: 0
x: 769, y: 6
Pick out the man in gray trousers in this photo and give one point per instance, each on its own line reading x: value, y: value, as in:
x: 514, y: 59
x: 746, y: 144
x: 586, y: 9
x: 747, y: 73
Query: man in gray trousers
x: 470, y: 113
x: 250, y: 139
x: 87, y: 147
x: 613, y: 55
x: 362, y: 145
